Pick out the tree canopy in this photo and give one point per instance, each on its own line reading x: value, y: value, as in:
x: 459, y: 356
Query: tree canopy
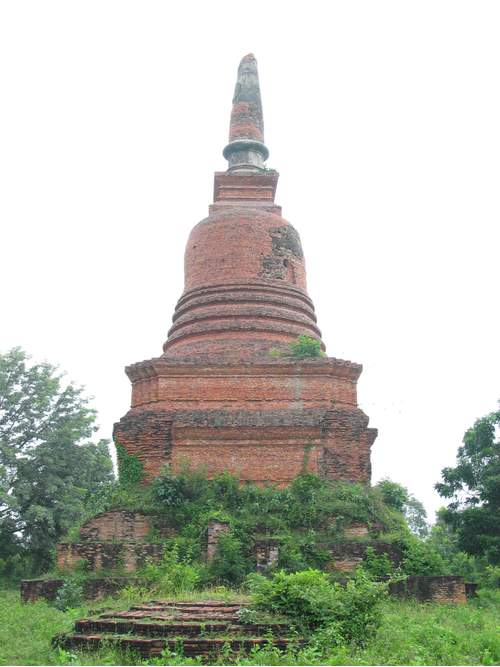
x: 48, y: 468
x: 473, y: 486
x: 405, y: 503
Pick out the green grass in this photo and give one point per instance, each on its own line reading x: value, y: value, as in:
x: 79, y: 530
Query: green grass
x: 26, y: 630
x: 432, y: 634
x: 410, y: 634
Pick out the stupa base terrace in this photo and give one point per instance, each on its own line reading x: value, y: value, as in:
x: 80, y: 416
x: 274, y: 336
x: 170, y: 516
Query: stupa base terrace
x: 265, y: 421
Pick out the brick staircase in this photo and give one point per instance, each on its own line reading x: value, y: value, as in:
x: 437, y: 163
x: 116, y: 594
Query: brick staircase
x: 204, y: 629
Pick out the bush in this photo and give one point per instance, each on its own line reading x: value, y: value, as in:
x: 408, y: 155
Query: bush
x: 176, y: 490
x: 304, y: 346
x: 376, y: 566
x: 490, y: 577
x: 338, y: 614
x: 189, y: 500
x: 229, y: 565
x: 226, y: 487
x: 421, y: 561
x: 70, y: 595
x: 173, y: 574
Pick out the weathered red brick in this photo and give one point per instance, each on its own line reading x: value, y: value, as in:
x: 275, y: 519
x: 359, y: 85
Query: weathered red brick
x: 215, y: 396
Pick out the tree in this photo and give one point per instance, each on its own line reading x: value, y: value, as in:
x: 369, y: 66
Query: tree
x: 405, y: 503
x: 47, y: 471
x: 473, y: 485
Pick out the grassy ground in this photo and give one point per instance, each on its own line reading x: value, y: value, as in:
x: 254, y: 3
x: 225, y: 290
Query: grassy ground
x: 411, y: 634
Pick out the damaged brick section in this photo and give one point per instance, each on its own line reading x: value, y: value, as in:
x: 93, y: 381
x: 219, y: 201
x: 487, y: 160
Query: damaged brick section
x: 123, y: 526
x: 283, y: 261
x: 95, y: 556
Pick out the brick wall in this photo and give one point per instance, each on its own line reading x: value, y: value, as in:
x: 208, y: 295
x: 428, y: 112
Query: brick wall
x: 346, y: 556
x: 443, y: 590
x: 93, y: 589
x: 272, y: 383
x: 116, y: 526
x: 254, y: 420
x: 266, y: 553
x: 123, y: 526
x: 215, y: 528
x: 106, y: 555
x: 38, y: 589
x: 358, y: 529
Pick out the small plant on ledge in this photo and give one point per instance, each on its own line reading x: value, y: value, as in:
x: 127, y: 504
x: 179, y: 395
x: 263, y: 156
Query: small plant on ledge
x: 304, y: 346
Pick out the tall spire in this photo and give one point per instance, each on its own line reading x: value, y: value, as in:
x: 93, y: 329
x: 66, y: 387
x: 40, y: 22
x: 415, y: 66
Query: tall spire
x: 246, y: 149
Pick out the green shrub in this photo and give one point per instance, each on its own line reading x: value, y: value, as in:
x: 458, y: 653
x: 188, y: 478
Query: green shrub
x: 13, y: 568
x: 361, y: 612
x: 468, y: 567
x: 173, y: 573
x: 304, y: 346
x: 307, y: 596
x: 420, y: 560
x: 305, y: 487
x: 188, y: 499
x: 70, y: 595
x: 395, y: 495
x: 226, y: 487
x: 490, y: 577
x: 338, y: 614
x: 177, y: 490
x: 228, y: 565
x: 376, y: 566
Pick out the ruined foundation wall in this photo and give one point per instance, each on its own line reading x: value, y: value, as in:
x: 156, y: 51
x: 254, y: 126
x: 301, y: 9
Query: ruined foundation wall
x: 108, y: 556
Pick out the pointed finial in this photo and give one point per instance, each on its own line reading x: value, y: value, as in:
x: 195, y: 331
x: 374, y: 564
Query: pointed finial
x: 246, y: 149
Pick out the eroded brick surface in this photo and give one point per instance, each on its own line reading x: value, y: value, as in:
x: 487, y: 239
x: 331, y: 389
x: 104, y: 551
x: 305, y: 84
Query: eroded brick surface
x: 215, y: 528
x: 93, y: 589
x: 40, y: 589
x: 444, y: 590
x: 266, y: 553
x: 107, y: 555
x: 116, y: 526
x: 347, y: 556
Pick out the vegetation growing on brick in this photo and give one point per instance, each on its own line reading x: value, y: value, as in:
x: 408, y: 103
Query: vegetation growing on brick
x: 189, y: 499
x: 304, y: 346
x: 304, y: 517
x: 130, y: 468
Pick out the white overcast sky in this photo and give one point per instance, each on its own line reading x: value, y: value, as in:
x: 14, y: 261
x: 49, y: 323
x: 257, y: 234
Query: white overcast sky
x: 383, y: 119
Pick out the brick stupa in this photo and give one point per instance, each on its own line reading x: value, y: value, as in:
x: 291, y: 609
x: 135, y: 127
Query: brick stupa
x: 215, y: 397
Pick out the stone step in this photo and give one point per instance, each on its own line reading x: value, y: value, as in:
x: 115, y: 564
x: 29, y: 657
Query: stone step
x: 184, y: 618
x: 202, y: 603
x: 185, y: 612
x: 191, y: 648
x: 123, y: 627
x: 191, y: 607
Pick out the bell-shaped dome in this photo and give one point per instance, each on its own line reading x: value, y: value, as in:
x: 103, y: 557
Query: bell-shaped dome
x: 245, y: 278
